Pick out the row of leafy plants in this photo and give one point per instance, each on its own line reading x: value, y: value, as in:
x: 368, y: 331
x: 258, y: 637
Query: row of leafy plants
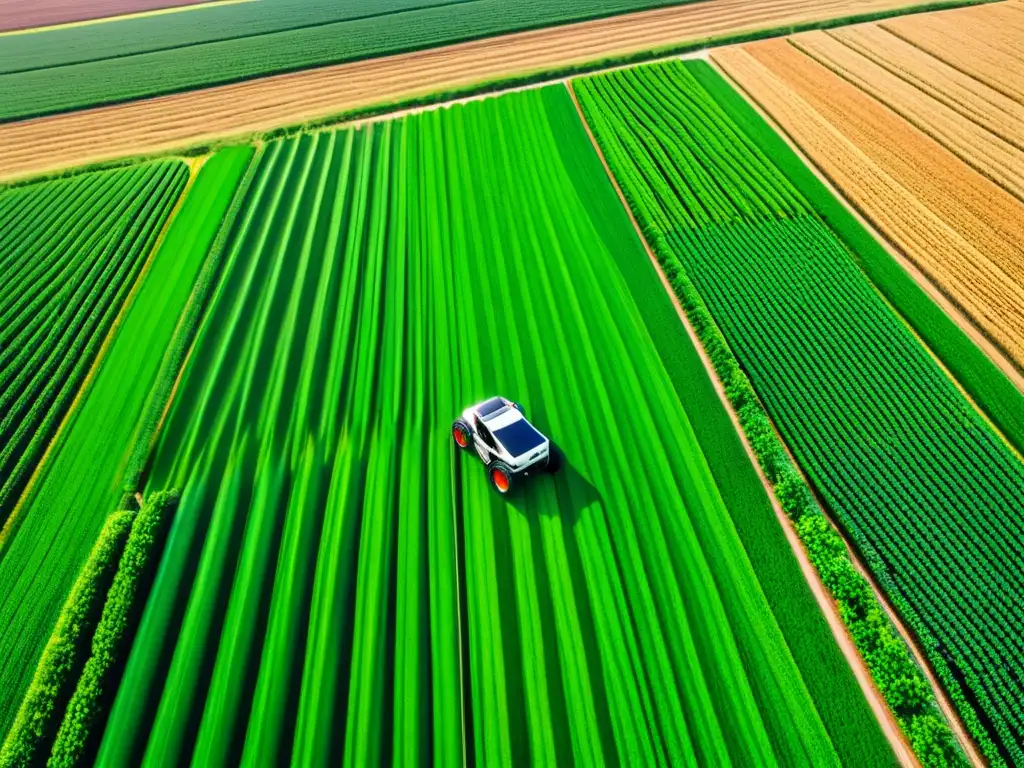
x: 71, y: 253
x: 62, y: 713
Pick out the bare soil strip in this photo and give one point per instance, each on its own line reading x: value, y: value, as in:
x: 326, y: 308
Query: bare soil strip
x: 18, y: 15
x: 172, y: 122
x: 886, y: 719
x: 959, y: 228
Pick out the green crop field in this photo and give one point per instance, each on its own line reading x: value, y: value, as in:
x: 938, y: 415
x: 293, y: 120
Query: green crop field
x: 929, y: 493
x: 340, y: 584
x: 70, y: 251
x: 63, y: 69
x: 235, y: 527
x: 62, y: 517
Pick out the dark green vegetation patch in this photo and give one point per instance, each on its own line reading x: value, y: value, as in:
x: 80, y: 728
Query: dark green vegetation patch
x: 70, y: 251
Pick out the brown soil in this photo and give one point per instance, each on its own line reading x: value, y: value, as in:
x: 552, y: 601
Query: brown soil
x: 828, y: 607
x: 171, y: 122
x: 959, y: 228
x: 19, y: 14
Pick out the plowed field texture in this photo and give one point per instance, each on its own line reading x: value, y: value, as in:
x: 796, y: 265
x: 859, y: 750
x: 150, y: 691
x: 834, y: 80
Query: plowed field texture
x: 929, y: 493
x: 341, y: 584
x: 920, y: 122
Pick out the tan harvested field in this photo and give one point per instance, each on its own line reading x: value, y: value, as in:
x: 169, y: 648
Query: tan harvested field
x: 965, y: 232
x: 983, y: 105
x: 973, y: 143
x: 944, y: 35
x: 172, y: 122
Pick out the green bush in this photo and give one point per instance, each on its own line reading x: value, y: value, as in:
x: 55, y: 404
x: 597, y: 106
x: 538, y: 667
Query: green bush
x: 62, y: 659
x: 120, y: 614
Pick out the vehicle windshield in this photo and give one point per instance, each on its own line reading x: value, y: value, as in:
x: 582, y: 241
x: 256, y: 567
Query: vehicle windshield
x: 519, y: 437
x: 491, y: 407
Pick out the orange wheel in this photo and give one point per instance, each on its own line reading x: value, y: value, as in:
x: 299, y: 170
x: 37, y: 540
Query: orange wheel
x: 500, y: 480
x: 461, y: 434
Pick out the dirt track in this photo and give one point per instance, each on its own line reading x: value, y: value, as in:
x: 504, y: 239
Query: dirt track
x: 165, y: 123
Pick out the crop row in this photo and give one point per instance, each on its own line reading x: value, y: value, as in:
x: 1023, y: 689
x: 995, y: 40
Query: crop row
x: 71, y: 251
x: 63, y: 710
x: 929, y: 493
x: 45, y: 547
x: 339, y: 584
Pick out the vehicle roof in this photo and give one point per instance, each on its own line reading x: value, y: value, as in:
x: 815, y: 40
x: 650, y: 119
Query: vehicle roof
x: 503, y: 418
x: 518, y: 437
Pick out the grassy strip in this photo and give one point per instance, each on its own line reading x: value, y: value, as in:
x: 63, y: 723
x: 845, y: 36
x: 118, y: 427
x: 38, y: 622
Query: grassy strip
x: 996, y: 395
x: 485, y: 87
x: 852, y: 727
x: 83, y: 721
x: 47, y: 696
x: 203, y: 229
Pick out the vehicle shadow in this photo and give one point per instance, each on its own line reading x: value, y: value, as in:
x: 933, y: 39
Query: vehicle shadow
x: 574, y: 491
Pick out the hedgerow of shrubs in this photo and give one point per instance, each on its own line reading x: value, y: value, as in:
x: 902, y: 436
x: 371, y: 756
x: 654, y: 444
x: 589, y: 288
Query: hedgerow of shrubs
x: 62, y: 659
x: 120, y: 613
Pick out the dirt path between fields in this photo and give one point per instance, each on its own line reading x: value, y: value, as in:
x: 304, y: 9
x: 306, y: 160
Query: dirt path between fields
x: 173, y: 122
x: 884, y: 715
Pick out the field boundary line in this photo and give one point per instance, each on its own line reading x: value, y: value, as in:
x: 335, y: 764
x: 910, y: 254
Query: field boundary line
x: 196, y: 6
x: 964, y: 323
x: 14, y: 520
x: 887, y: 720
